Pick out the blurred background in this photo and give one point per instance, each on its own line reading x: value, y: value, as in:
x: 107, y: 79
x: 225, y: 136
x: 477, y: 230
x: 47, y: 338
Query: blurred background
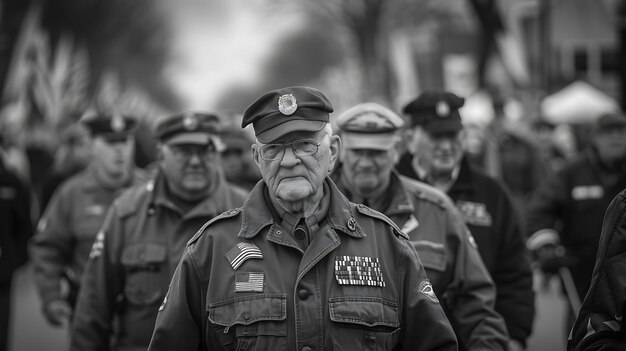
x: 517, y: 63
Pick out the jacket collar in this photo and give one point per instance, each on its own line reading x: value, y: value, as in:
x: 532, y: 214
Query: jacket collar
x: 256, y: 213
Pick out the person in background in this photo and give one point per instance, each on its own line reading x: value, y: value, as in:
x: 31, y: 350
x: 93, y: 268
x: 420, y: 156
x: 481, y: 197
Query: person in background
x: 68, y: 227
x: 16, y: 228
x: 600, y: 324
x: 237, y: 158
x: 145, y: 232
x: 366, y: 174
x: 565, y: 214
x: 298, y: 267
x: 71, y: 156
x: 436, y: 156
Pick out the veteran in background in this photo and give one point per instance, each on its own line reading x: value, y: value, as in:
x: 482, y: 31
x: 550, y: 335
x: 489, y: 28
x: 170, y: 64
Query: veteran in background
x: 436, y: 155
x: 145, y: 232
x: 371, y: 136
x: 68, y: 227
x: 298, y: 267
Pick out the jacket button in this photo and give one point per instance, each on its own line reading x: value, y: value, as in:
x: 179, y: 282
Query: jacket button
x: 306, y: 348
x: 303, y: 294
x: 246, y: 315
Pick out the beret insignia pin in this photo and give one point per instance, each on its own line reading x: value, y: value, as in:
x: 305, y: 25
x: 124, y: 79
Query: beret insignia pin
x: 442, y: 108
x: 190, y: 122
x: 117, y: 123
x: 287, y: 104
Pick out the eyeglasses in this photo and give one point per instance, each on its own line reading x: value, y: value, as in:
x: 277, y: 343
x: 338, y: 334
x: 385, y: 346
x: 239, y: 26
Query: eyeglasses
x: 301, y: 148
x: 184, y: 152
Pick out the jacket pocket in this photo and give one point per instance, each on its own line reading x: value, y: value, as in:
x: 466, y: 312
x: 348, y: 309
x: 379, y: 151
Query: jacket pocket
x: 432, y: 254
x: 251, y: 322
x: 364, y: 323
x: 144, y: 265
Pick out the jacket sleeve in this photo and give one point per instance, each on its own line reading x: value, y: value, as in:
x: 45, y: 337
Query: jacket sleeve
x: 51, y: 247
x: 544, y: 211
x: 471, y: 296
x: 101, y: 285
x: 180, y: 324
x: 513, y: 277
x: 600, y: 324
x: 425, y: 326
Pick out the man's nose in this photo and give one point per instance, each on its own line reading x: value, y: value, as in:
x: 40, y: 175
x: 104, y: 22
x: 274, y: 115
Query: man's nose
x: 289, y: 158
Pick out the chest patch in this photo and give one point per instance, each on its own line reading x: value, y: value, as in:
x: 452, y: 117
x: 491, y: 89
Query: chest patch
x: 474, y: 213
x: 242, y: 252
x: 587, y: 192
x: 249, y: 281
x: 358, y: 270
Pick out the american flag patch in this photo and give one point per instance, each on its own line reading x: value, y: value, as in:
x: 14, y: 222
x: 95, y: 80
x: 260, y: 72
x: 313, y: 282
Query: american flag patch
x: 249, y: 282
x: 242, y: 252
x: 358, y: 270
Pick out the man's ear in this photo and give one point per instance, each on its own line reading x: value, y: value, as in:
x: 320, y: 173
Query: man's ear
x: 159, y: 152
x: 335, y: 149
x: 407, y: 138
x: 256, y: 157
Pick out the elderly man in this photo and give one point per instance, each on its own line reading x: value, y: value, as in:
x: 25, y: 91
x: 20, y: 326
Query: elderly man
x: 435, y: 142
x: 69, y: 225
x: 298, y: 267
x: 371, y: 141
x: 144, y: 235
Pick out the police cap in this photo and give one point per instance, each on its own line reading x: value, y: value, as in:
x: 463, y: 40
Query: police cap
x: 435, y: 111
x: 282, y: 111
x: 369, y: 126
x: 109, y: 126
x: 187, y: 128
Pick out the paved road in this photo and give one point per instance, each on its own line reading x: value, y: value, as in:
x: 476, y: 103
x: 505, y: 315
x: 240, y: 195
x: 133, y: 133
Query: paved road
x: 31, y: 333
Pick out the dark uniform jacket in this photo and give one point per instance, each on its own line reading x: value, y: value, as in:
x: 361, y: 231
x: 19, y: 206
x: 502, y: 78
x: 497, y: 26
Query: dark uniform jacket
x: 600, y: 325
x: 132, y: 261
x: 15, y: 223
x: 572, y: 204
x: 67, y: 230
x: 450, y: 257
x: 244, y: 283
x: 490, y: 216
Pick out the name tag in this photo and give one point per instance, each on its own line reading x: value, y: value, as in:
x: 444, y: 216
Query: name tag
x: 587, y: 192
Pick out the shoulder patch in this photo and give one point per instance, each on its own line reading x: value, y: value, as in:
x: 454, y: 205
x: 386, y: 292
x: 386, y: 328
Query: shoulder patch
x: 224, y: 215
x: 375, y: 214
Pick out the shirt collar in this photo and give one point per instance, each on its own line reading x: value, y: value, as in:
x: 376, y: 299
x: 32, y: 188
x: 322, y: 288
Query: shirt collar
x: 257, y: 213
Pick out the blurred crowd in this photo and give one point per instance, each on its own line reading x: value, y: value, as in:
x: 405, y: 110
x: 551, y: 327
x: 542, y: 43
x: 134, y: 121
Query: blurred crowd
x: 532, y: 193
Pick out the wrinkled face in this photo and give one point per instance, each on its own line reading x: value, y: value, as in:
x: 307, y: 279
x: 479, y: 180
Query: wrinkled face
x: 439, y: 153
x: 611, y: 143
x: 368, y: 170
x: 114, y: 157
x: 292, y: 177
x: 191, y: 169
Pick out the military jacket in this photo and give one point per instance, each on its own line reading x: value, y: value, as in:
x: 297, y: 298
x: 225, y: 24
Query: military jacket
x: 488, y: 212
x: 243, y: 283
x: 67, y: 229
x: 131, y: 263
x: 450, y: 257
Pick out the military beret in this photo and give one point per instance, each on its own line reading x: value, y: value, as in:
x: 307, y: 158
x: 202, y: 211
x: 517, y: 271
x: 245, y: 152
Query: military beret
x: 435, y: 111
x: 369, y: 126
x: 187, y: 128
x: 109, y: 126
x: 610, y: 121
x: 282, y: 111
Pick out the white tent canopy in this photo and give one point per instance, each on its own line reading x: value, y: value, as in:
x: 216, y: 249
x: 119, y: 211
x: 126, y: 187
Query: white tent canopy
x: 577, y: 103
